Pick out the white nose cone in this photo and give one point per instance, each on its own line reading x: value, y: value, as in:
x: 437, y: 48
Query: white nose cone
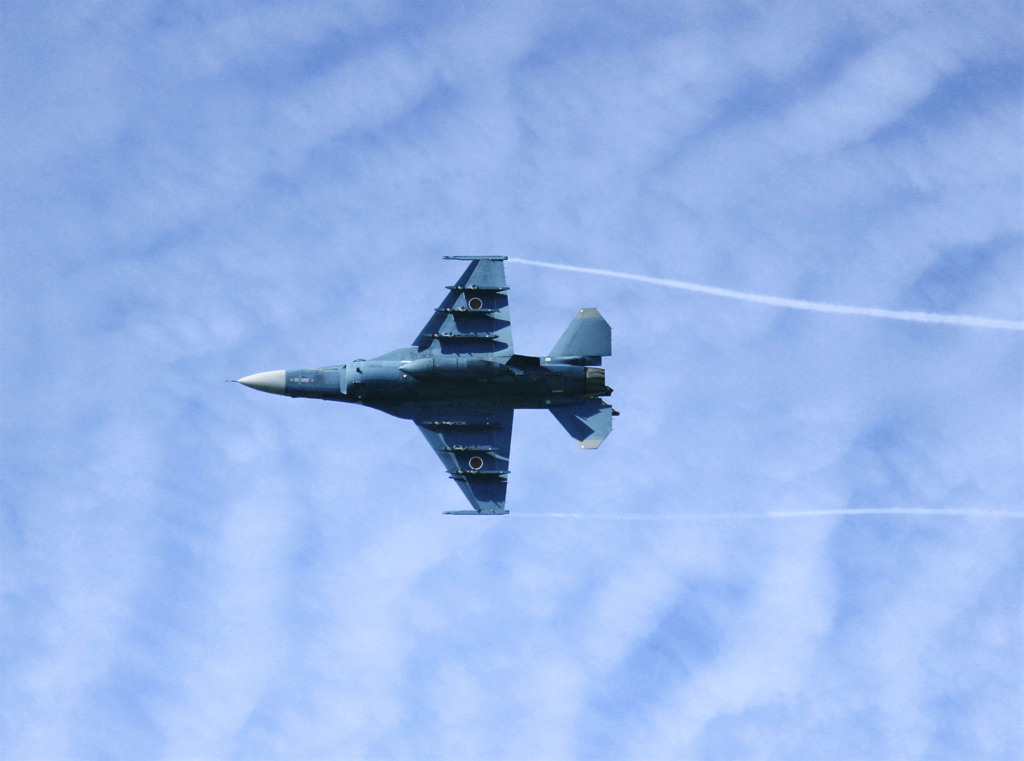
x: 271, y: 382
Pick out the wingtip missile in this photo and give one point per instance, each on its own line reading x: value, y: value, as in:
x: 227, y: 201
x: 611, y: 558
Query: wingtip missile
x: 476, y: 512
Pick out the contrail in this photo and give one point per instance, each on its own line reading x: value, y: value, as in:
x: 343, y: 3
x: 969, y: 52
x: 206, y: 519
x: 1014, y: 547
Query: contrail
x: 811, y: 306
x: 786, y: 514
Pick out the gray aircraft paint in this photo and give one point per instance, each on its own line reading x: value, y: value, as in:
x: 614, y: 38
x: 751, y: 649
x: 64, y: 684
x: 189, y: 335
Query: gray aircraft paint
x: 461, y: 382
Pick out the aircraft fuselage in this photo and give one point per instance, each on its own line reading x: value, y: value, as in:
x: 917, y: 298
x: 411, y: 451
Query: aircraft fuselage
x: 521, y: 382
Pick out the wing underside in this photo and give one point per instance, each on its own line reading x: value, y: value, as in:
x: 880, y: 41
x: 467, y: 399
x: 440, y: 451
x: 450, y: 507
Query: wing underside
x: 473, y: 318
x: 474, y: 444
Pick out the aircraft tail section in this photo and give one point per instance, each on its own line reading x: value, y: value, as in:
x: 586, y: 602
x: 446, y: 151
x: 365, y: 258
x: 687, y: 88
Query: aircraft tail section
x: 587, y: 339
x: 589, y: 422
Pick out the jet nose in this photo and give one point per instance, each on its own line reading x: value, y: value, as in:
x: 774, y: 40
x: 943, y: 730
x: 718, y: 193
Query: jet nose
x: 272, y: 382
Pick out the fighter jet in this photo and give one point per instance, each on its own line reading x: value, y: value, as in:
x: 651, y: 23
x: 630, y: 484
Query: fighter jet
x: 460, y: 382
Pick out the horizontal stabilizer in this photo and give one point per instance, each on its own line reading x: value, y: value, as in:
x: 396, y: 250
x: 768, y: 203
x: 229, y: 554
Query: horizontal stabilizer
x: 589, y: 335
x: 589, y: 422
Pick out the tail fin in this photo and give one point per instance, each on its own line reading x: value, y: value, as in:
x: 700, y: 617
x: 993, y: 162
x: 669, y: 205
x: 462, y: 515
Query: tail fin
x: 587, y: 339
x: 589, y: 422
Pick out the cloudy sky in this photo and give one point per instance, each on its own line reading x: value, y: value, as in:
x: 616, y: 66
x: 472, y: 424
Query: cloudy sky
x: 199, y: 191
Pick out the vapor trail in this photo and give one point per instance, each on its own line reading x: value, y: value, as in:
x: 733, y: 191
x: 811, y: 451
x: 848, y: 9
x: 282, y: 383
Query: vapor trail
x: 784, y: 514
x: 811, y: 306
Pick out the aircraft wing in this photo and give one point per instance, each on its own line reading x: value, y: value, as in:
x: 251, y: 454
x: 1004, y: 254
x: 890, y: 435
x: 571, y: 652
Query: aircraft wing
x: 473, y: 318
x: 473, y: 443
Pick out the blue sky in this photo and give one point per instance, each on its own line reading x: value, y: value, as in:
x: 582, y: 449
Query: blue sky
x: 194, y: 192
